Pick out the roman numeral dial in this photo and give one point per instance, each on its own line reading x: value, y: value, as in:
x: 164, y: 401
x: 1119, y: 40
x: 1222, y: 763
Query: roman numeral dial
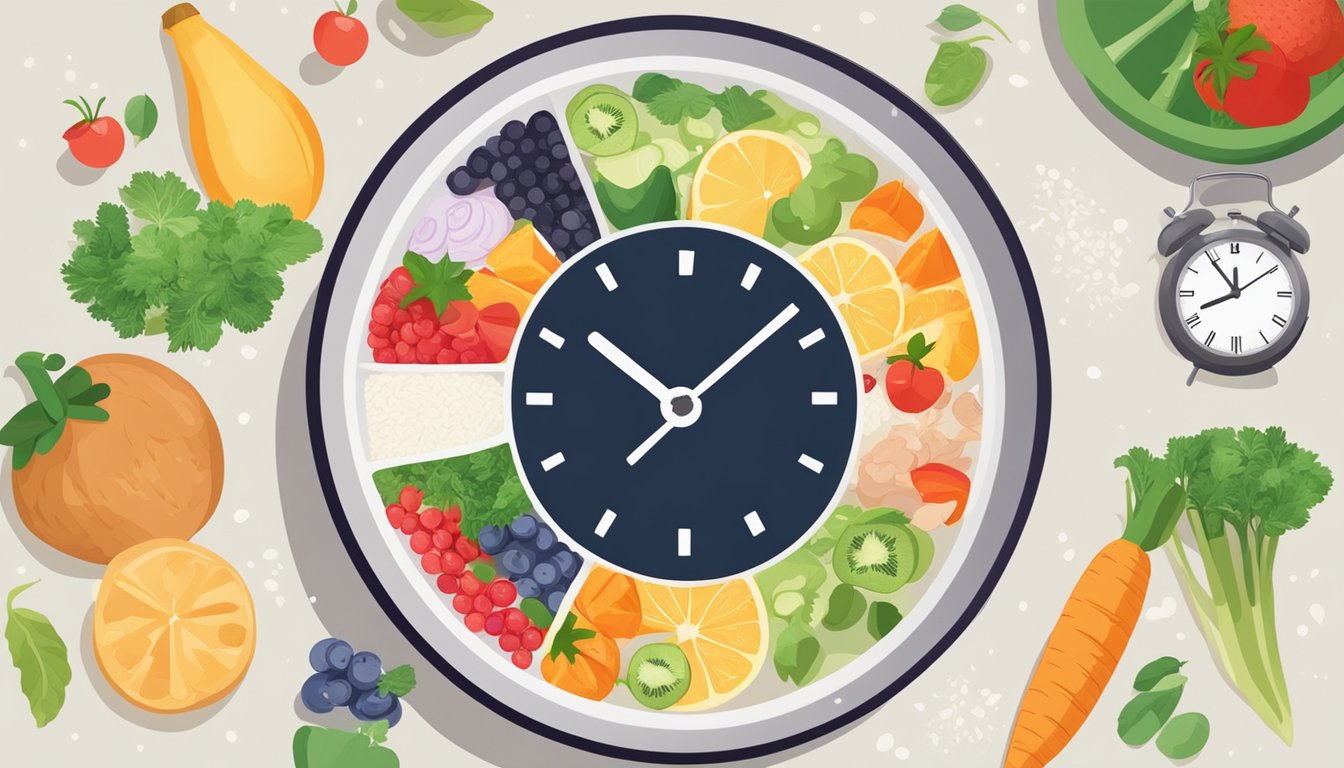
x: 1235, y: 298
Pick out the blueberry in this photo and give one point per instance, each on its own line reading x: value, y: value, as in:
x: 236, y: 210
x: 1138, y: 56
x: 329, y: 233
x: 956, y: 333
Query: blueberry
x: 546, y: 574
x: 565, y: 561
x: 498, y: 171
x: 544, y: 218
x: 554, y: 599
x: 571, y: 220
x: 559, y: 239
x: 461, y: 182
x: 330, y: 654
x: 536, y: 196
x: 575, y: 185
x: 516, y: 206
x: 528, y: 587
x: 524, y: 527
x: 562, y: 203
x: 313, y: 694
x: 479, y: 161
x: 492, y: 145
x: 514, y: 162
x: 372, y: 705
x: 507, y: 147
x: 552, y: 183
x: 492, y: 539
x: 567, y: 172
x: 365, y: 669
x: 559, y: 151
x: 514, y: 129
x: 542, y: 164
x: 394, y: 716
x: 584, y: 238
x: 529, y: 213
x: 527, y: 178
x: 541, y: 123
x: 516, y: 559
x: 506, y: 189
x: 338, y: 689
x: 527, y: 146
x: 545, y: 540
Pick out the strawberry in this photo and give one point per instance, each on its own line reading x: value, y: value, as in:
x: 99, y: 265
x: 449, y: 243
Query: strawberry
x: 1310, y: 32
x: 1242, y: 73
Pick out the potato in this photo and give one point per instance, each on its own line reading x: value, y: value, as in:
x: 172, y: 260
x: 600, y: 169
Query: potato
x: 154, y: 470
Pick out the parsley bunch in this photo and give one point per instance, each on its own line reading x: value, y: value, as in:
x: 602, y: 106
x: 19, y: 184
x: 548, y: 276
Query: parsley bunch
x: 484, y: 485
x: 671, y: 100
x: 187, y: 270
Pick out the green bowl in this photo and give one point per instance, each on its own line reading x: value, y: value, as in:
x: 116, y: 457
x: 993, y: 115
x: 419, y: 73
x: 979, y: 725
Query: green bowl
x: 1136, y: 56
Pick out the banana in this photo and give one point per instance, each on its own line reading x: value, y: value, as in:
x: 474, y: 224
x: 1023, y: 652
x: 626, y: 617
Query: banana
x: 251, y: 137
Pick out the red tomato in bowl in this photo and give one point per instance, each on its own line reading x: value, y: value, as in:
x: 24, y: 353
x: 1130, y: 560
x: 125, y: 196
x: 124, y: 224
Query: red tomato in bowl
x: 1275, y: 91
x: 95, y: 141
x: 340, y: 38
x: 913, y: 387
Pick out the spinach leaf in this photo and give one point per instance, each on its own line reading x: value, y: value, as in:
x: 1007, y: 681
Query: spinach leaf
x: 823, y: 215
x: 959, y: 18
x: 740, y: 109
x: 956, y: 72
x: 1184, y: 736
x: 142, y: 115
x: 654, y: 199
x: 798, y: 653
x: 1147, y: 712
x: 1154, y: 671
x: 845, y: 609
x: 40, y: 656
x: 882, y: 618
x: 446, y: 18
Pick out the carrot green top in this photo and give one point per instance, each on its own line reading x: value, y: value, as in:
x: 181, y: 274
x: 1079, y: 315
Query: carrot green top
x: 1153, y: 499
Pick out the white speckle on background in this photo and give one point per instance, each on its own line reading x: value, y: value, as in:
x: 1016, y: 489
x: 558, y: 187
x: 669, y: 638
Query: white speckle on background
x: 1021, y: 7
x: 1093, y: 372
x: 244, y: 418
x: 867, y: 17
x: 251, y: 564
x: 284, y: 11
x: 22, y: 570
x: 139, y: 747
x: 1063, y: 537
x: 1068, y: 555
x: 74, y: 737
x: 902, y: 753
x: 28, y: 63
x: 1024, y: 46
x: 93, y: 86
x: 1302, y: 630
x: 378, y: 83
x: 312, y: 599
x: 270, y: 585
x: 359, y: 121
x: 1180, y: 635
x: 248, y: 352
x: 1120, y: 225
x: 1022, y: 606
x: 1164, y: 610
x: 1317, y: 612
x: 1315, y: 572
x: 232, y: 737
x: 241, y: 515
x: 205, y: 362
x: 1292, y: 578
x: 979, y: 121
x: 279, y: 601
x: 816, y: 27
x: 23, y: 143
x: 270, y: 554
x: 69, y: 75
x: 1017, y: 81
x: 1087, y: 250
x: 885, y: 742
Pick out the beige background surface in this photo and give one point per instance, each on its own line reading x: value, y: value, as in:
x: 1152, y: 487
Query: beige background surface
x: 1086, y: 210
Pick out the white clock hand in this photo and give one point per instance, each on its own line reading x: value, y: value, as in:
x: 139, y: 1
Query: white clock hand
x: 648, y: 443
x: 629, y: 367
x: 784, y: 316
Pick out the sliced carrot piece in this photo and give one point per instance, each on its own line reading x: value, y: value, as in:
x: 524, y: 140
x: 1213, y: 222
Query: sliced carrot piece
x: 890, y: 210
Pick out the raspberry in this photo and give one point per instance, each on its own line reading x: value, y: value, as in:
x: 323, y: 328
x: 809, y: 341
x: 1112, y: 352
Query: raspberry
x: 453, y: 514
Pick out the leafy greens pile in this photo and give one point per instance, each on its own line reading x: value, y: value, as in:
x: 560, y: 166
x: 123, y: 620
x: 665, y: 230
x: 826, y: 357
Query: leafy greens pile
x: 187, y: 271
x: 1245, y: 488
x: 484, y: 485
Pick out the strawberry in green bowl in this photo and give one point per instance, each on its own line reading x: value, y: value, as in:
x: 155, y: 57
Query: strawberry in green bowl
x: 1229, y: 81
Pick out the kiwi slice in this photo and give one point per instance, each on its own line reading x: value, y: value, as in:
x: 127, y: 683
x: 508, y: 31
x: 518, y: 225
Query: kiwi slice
x: 659, y: 675
x: 876, y: 556
x: 924, y: 553
x: 602, y: 121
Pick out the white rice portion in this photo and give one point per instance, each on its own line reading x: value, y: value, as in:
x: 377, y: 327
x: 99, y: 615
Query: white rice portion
x: 415, y: 413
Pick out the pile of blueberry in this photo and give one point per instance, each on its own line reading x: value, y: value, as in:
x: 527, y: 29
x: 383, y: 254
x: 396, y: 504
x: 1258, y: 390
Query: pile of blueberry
x: 532, y: 174
x: 344, y: 678
x: 528, y: 552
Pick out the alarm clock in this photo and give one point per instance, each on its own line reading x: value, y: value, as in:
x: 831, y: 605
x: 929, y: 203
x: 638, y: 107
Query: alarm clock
x: 684, y: 402
x: 1233, y: 297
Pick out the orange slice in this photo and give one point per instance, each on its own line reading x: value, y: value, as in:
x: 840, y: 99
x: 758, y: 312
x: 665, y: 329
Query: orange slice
x: 864, y: 287
x: 523, y: 259
x: 943, y: 314
x: 487, y: 289
x: 722, y: 629
x: 173, y: 626
x: 928, y: 262
x: 742, y: 175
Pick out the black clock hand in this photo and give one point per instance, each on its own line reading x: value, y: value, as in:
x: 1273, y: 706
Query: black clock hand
x: 1235, y: 294
x: 1267, y: 273
x: 1230, y: 283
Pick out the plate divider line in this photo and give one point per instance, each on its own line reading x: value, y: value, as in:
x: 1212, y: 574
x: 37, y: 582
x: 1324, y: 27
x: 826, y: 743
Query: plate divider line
x: 463, y: 450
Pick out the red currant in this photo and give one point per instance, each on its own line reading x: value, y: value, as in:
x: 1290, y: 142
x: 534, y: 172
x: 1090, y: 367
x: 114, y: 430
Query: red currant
x: 443, y: 540
x: 410, y: 498
x: 509, y: 642
x: 452, y: 563
x: 531, y: 638
x: 447, y: 583
x: 395, y: 514
x: 462, y: 603
x: 482, y: 604
x: 515, y: 620
x: 494, y: 624
x: 470, y: 585
x: 475, y: 621
x: 502, y: 593
x: 431, y: 518
x: 522, y: 658
x: 467, y: 549
x: 453, y: 513
x: 420, y: 542
x: 410, y: 524
x: 432, y: 563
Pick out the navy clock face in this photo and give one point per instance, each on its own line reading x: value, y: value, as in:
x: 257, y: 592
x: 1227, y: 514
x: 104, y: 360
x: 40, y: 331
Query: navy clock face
x: 684, y: 402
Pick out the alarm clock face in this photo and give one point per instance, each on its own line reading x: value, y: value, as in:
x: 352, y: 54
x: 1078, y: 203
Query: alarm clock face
x: 684, y: 403
x: 1238, y: 299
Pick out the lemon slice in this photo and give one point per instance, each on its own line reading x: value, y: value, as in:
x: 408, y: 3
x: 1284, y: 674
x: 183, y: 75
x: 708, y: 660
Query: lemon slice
x: 864, y: 287
x: 742, y: 175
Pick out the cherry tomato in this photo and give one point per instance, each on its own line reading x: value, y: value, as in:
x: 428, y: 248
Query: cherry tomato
x: 912, y: 387
x: 339, y: 37
x: 1273, y: 94
x: 869, y: 382
x: 94, y: 141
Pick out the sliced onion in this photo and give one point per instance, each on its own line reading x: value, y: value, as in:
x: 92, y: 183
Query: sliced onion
x: 463, y: 228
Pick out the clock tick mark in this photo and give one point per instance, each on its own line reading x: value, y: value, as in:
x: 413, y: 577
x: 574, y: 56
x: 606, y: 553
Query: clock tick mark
x: 540, y: 398
x: 685, y: 263
x: 749, y: 279
x: 811, y: 338
x: 552, y: 338
x: 683, y: 542
x: 754, y: 523
x: 604, y: 524
x: 825, y: 398
x: 603, y: 271
x: 552, y: 461
x: 810, y: 463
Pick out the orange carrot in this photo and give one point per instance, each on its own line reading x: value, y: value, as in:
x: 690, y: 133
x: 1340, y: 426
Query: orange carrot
x: 1094, y: 628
